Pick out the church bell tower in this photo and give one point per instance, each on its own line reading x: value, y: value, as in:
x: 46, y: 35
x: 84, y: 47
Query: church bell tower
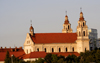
x: 31, y: 30
x: 82, y: 35
x: 66, y: 26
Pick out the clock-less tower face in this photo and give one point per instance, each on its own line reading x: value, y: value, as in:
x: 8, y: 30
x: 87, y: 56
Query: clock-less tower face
x: 31, y: 30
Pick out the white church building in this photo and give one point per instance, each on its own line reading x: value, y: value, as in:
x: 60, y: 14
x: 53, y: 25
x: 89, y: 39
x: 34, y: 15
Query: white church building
x: 67, y: 41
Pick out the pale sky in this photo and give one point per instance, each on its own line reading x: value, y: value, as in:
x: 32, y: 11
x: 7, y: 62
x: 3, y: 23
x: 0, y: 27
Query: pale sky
x: 47, y: 17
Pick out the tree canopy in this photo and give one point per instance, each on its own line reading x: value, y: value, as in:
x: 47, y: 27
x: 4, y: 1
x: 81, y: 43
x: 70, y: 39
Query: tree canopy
x: 85, y: 57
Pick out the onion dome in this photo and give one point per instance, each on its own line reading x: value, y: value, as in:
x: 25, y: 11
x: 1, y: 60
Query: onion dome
x: 81, y: 17
x: 66, y: 20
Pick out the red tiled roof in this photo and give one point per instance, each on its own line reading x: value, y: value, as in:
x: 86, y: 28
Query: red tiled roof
x: 43, y: 54
x: 66, y: 53
x: 2, y: 56
x: 40, y: 54
x: 16, y: 54
x: 10, y: 49
x: 54, y: 38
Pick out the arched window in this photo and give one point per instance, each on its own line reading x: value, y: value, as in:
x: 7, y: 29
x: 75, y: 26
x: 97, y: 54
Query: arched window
x: 52, y: 50
x: 73, y: 49
x: 45, y: 49
x: 83, y: 23
x: 27, y: 51
x: 83, y: 33
x: 79, y: 33
x: 37, y: 49
x: 85, y: 49
x: 66, y: 49
x: 68, y: 26
x: 59, y: 50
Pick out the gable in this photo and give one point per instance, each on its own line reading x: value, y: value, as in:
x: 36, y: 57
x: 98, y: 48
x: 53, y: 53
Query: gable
x: 28, y: 40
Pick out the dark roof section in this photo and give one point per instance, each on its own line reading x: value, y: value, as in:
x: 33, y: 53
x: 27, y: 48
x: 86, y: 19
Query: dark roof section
x: 11, y: 49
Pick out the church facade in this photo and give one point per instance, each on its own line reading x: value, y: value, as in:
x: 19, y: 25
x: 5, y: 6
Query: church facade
x: 67, y: 41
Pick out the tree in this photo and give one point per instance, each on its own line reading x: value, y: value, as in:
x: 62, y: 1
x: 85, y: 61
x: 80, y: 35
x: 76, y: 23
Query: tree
x: 40, y: 60
x: 61, y: 57
x: 7, y: 59
x: 48, y: 58
x: 97, y: 56
x: 54, y: 58
x: 61, y: 60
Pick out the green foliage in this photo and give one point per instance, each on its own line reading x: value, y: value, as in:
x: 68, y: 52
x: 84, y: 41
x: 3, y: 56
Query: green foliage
x: 71, y: 58
x: 54, y: 58
x: 61, y: 60
x: 90, y: 56
x: 40, y: 60
x: 61, y: 57
x: 48, y: 58
x: 7, y: 59
x: 86, y: 57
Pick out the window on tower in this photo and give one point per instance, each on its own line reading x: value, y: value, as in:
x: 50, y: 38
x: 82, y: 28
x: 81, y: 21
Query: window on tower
x: 83, y: 33
x: 68, y: 26
x: 83, y: 23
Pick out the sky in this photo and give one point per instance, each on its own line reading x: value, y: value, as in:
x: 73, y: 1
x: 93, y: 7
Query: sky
x: 47, y: 17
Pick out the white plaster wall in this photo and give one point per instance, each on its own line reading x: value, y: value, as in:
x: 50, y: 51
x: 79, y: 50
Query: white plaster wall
x: 56, y: 47
x: 28, y: 44
x: 30, y: 59
x: 1, y: 61
x: 82, y: 44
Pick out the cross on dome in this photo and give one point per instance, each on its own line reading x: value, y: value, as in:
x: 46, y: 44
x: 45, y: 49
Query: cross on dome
x: 31, y: 22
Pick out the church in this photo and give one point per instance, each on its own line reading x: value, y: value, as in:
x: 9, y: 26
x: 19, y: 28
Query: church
x: 38, y: 45
x: 67, y: 41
